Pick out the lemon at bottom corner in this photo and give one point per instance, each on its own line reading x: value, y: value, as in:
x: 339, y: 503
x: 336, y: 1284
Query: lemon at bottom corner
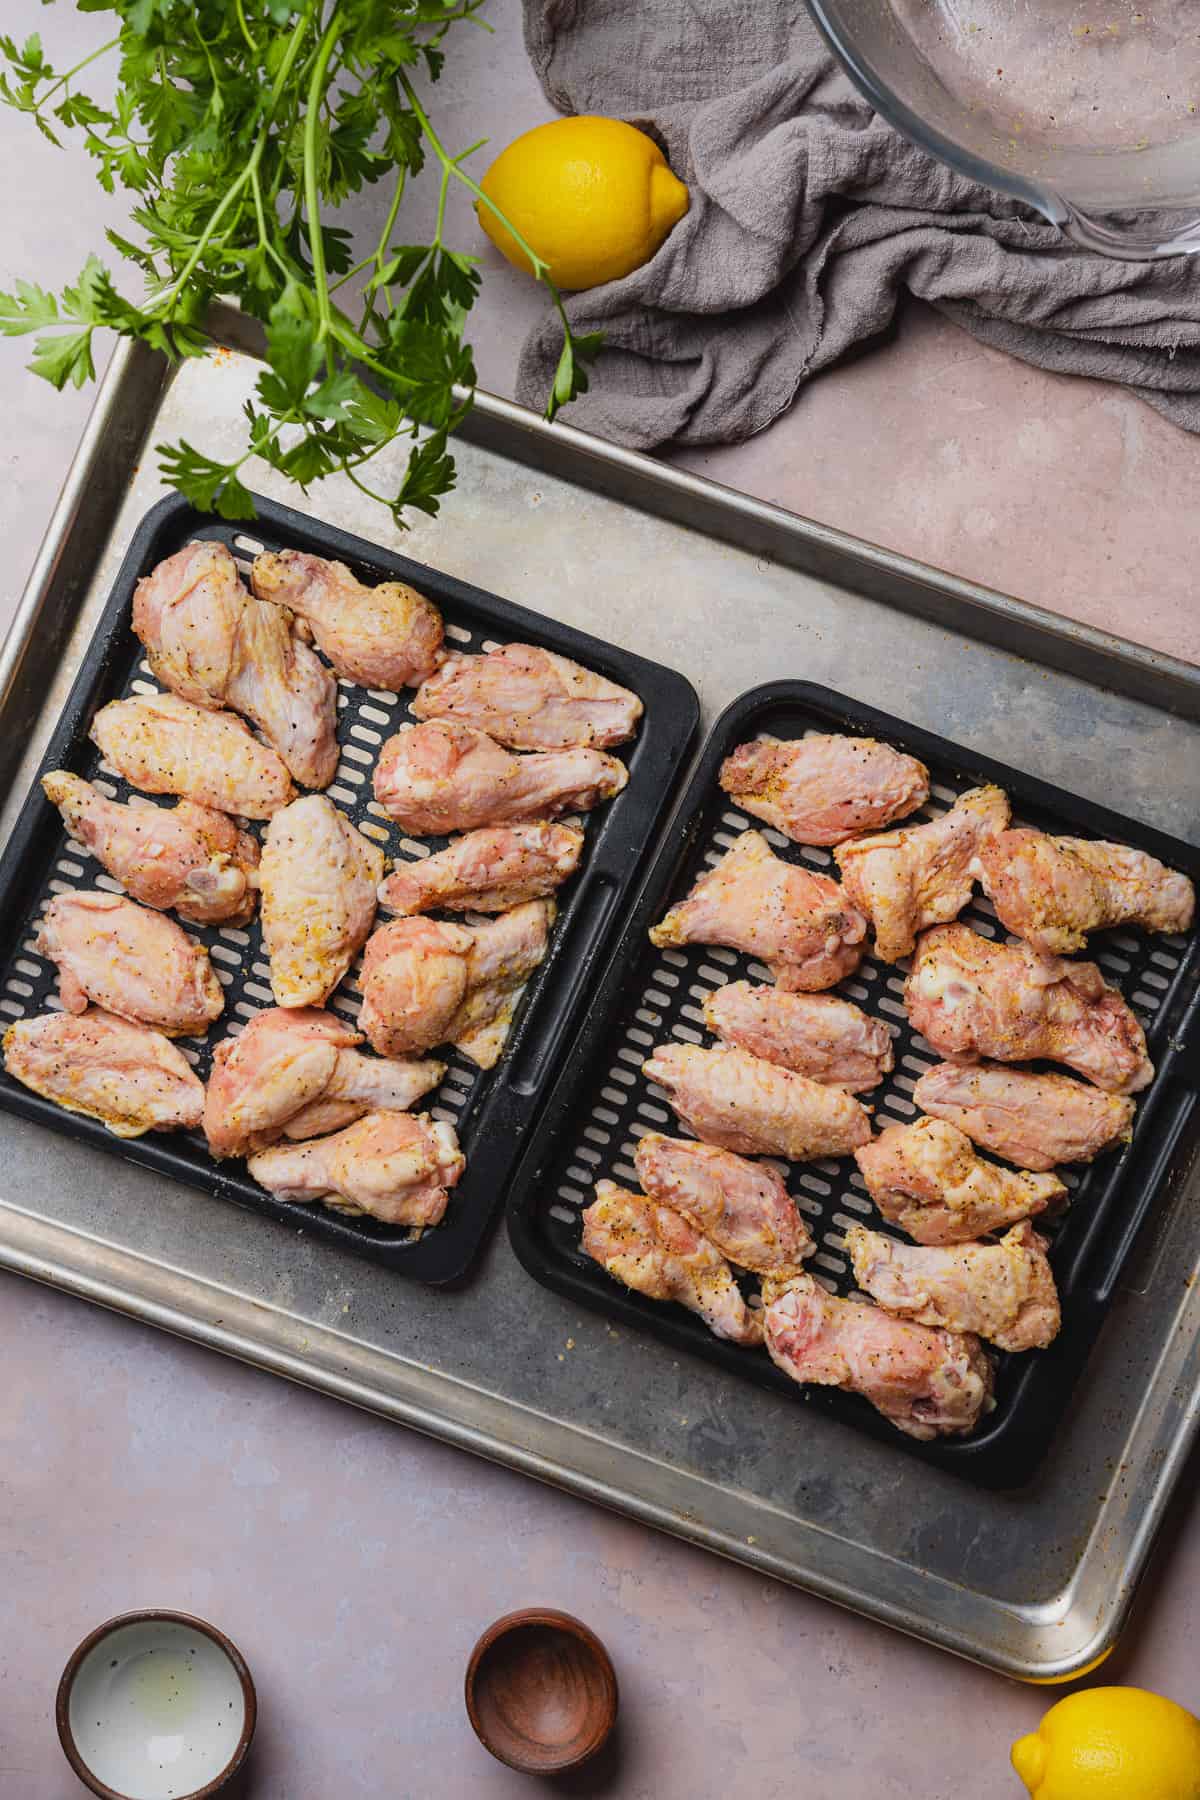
x: 593, y: 197
x: 1113, y: 1743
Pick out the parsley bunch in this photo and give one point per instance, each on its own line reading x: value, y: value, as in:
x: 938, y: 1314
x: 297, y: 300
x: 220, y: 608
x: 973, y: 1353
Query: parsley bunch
x: 234, y: 121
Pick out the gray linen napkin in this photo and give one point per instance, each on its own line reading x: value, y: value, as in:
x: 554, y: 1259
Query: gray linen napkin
x: 809, y: 219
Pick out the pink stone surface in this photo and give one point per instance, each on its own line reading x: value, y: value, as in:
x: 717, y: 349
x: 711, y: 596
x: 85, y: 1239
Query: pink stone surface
x: 354, y: 1562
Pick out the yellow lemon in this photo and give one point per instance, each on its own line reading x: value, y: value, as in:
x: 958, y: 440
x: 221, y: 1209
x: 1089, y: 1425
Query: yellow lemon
x: 592, y: 197
x: 1114, y: 1743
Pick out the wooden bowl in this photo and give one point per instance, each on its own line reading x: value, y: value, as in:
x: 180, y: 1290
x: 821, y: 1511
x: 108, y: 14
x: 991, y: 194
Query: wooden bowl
x: 541, y: 1692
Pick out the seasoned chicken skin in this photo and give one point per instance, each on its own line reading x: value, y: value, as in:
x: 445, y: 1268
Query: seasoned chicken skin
x: 1035, y: 1121
x: 824, y: 789
x: 185, y: 857
x: 212, y: 644
x: 442, y: 777
x: 487, y: 871
x: 657, y: 1253
x: 319, y: 876
x: 928, y: 1179
x: 920, y: 875
x: 753, y: 1108
x: 129, y: 961
x: 426, y: 982
x: 395, y: 1166
x: 817, y: 1035
x: 1052, y: 891
x: 130, y: 1078
x: 973, y: 998
x: 530, y: 699
x: 800, y: 924
x: 386, y: 637
x: 927, y: 1383
x: 297, y: 1073
x: 1003, y: 1292
x: 165, y: 745
x: 741, y: 1207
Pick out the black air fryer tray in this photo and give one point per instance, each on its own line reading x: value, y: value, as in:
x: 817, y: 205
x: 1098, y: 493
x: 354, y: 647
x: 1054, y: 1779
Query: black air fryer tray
x: 491, y: 1111
x: 602, y: 1103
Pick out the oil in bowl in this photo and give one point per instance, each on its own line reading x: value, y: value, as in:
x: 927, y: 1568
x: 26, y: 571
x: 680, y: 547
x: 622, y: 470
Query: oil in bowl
x: 156, y: 1706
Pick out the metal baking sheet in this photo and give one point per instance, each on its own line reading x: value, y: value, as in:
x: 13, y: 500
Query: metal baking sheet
x: 733, y: 593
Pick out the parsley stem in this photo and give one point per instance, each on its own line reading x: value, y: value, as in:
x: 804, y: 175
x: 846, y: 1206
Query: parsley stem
x: 63, y: 79
x: 451, y: 165
x: 312, y: 203
x: 246, y: 32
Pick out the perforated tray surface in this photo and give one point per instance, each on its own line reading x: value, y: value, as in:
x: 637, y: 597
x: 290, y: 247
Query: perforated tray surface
x: 603, y: 1103
x: 490, y: 1110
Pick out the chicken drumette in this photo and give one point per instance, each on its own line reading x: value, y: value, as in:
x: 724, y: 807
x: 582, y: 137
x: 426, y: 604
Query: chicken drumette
x: 214, y: 645
x: 486, y: 871
x: 653, y: 1250
x: 530, y: 699
x: 927, y: 1383
x: 130, y: 1078
x: 319, y: 877
x: 1052, y: 891
x: 296, y: 1073
x: 753, y: 1108
x: 395, y: 1166
x: 129, y: 961
x: 801, y: 925
x: 921, y: 875
x: 1003, y: 1292
x: 165, y: 745
x: 824, y: 789
x: 442, y: 777
x: 741, y: 1207
x: 973, y: 998
x: 185, y: 857
x: 426, y: 982
x: 386, y: 637
x: 1035, y: 1121
x: 928, y: 1179
x: 817, y: 1035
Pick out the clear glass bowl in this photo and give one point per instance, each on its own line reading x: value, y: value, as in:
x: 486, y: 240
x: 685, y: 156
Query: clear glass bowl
x: 1088, y: 110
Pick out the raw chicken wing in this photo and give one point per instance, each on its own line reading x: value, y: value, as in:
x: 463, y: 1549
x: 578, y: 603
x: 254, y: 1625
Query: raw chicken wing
x: 165, y: 745
x: 212, y: 644
x: 1035, y: 1121
x: 741, y: 1207
x: 131, y: 962
x: 1052, y: 891
x: 740, y: 1103
x: 927, y: 1383
x: 319, y: 877
x: 425, y: 982
x: 800, y: 924
x: 1003, y: 1292
x: 657, y: 1253
x: 973, y: 998
x: 530, y: 699
x: 296, y: 1073
x: 927, y: 1179
x: 921, y: 875
x: 486, y: 871
x: 385, y: 637
x: 395, y: 1166
x: 443, y: 777
x: 127, y: 1076
x: 186, y: 856
x: 817, y: 1035
x: 824, y: 789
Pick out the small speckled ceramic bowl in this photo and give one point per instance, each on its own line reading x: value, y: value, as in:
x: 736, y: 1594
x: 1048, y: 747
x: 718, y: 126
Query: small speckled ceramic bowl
x: 156, y: 1706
